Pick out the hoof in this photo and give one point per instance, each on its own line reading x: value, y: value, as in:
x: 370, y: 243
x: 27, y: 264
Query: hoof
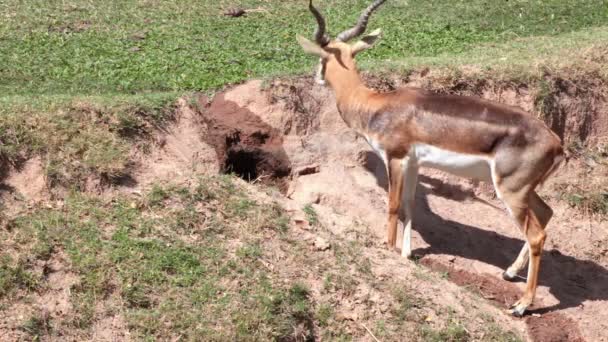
x: 508, y: 277
x: 407, y: 255
x: 390, y: 246
x: 517, y: 310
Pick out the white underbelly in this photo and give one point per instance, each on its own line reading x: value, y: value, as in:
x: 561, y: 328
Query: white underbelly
x: 459, y: 164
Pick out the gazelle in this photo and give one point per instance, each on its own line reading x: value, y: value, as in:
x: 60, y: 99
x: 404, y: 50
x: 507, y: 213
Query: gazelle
x: 465, y: 136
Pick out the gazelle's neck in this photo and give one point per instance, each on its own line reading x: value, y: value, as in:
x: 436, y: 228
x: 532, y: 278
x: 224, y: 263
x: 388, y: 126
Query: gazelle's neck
x: 351, y: 95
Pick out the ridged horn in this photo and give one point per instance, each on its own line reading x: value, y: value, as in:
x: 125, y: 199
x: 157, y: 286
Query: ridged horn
x: 358, y: 29
x: 321, y: 36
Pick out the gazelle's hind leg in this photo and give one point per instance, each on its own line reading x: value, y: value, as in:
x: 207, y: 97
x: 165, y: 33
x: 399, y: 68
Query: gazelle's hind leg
x: 525, y: 217
x: 543, y: 213
x: 410, y: 175
x: 395, y: 188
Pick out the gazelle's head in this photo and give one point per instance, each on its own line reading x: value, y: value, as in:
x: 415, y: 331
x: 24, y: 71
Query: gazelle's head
x: 338, y: 53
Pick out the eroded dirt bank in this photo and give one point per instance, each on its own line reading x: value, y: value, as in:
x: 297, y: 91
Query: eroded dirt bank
x: 288, y: 134
x: 456, y: 230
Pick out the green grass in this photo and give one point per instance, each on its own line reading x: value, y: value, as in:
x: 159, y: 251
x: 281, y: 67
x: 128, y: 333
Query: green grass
x: 311, y: 215
x: 36, y: 327
x: 190, y: 262
x: 498, y: 334
x: 14, y: 277
x: 135, y: 248
x: 589, y: 199
x: 90, y: 47
x: 81, y: 80
x: 81, y: 135
x: 524, y: 59
x: 405, y: 303
x: 453, y: 332
x: 588, y: 190
x: 193, y: 261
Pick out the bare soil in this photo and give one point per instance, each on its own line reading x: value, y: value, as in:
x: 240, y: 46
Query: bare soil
x: 244, y: 144
x: 288, y: 134
x: 460, y: 226
x: 178, y: 152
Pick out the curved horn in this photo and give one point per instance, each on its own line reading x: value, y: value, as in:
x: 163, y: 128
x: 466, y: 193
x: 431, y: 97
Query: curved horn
x: 358, y: 29
x: 320, y: 36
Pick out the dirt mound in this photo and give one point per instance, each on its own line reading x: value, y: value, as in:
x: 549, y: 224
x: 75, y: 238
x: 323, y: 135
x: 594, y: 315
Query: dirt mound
x: 24, y: 185
x: 289, y: 134
x: 540, y: 328
x: 244, y: 144
x: 351, y: 182
x: 178, y: 152
x: 28, y: 182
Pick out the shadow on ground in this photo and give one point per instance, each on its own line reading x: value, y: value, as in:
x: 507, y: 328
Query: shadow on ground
x: 572, y: 281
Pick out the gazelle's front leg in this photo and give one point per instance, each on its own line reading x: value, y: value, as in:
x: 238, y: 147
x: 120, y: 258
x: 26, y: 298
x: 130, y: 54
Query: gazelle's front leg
x: 410, y: 174
x: 395, y: 188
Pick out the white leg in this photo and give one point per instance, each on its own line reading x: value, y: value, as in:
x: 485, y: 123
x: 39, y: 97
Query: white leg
x: 410, y: 173
x: 519, y: 263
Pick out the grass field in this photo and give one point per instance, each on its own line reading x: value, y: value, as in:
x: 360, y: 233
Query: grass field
x: 84, y: 47
x: 83, y: 81
x: 199, y: 285
x: 127, y: 59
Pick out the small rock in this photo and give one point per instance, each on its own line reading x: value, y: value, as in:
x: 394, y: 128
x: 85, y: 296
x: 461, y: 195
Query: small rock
x: 235, y: 12
x: 308, y: 169
x: 321, y: 244
x: 590, y: 162
x: 290, y: 190
x: 139, y: 36
x: 348, y: 316
x: 307, y: 237
x: 310, y: 198
x: 302, y: 223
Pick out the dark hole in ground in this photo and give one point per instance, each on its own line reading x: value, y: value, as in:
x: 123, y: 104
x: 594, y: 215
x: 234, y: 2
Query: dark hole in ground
x: 245, y: 144
x: 256, y: 163
x: 233, y: 138
x: 243, y: 163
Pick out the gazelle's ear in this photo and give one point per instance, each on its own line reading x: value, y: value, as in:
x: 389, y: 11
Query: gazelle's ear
x: 311, y: 48
x: 367, y: 41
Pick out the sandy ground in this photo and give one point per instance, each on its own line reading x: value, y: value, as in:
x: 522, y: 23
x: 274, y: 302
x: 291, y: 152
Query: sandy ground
x: 295, y: 140
x: 459, y: 226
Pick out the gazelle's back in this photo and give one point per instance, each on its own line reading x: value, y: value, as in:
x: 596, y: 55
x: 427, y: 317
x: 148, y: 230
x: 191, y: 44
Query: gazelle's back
x: 460, y: 124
